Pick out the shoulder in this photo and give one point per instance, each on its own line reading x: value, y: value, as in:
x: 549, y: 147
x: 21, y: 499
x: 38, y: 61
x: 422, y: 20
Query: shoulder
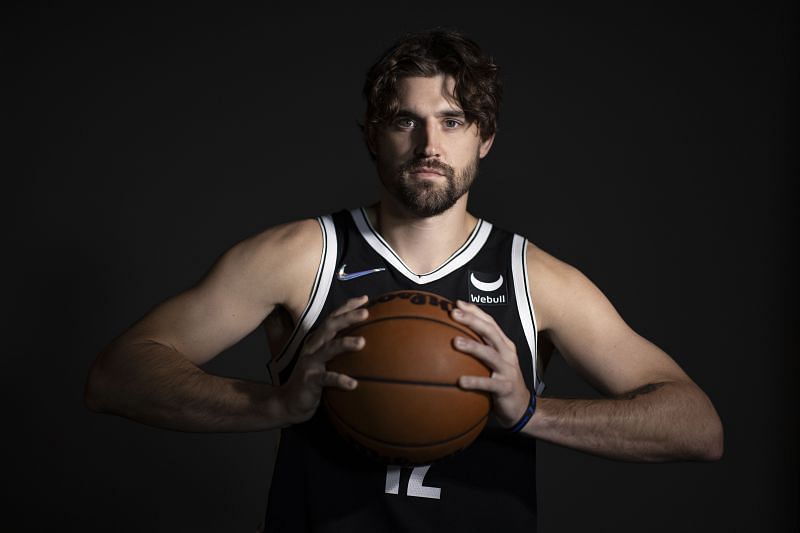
x: 555, y: 285
x: 288, y: 242
x: 281, y: 258
x: 293, y: 237
x: 546, y: 265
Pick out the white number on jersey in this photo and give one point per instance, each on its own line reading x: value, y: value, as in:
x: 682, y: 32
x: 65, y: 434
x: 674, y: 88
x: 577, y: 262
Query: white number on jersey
x: 415, y: 486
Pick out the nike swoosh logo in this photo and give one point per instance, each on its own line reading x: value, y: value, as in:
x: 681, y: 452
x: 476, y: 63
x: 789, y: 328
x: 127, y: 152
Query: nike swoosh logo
x: 486, y: 287
x: 341, y: 275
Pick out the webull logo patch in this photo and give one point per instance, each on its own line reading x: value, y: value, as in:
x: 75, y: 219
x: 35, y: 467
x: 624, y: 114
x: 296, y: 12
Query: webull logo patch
x: 487, y: 288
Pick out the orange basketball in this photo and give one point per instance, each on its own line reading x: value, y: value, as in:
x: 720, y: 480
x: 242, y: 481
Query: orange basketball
x: 408, y: 407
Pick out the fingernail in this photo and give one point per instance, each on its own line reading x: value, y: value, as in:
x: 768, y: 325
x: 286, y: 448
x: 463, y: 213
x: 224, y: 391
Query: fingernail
x: 460, y: 341
x: 457, y: 313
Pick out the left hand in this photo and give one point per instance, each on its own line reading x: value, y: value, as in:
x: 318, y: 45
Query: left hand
x: 509, y: 392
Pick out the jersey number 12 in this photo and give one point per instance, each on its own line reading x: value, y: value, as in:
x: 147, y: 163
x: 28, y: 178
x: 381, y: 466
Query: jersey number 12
x: 415, y: 487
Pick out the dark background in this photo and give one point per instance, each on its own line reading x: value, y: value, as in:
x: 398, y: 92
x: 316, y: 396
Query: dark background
x: 653, y: 148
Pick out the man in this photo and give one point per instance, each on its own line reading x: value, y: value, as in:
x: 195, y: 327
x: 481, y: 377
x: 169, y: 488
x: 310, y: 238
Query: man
x: 432, y: 103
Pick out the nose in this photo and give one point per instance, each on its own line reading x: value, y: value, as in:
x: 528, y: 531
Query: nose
x: 428, y: 140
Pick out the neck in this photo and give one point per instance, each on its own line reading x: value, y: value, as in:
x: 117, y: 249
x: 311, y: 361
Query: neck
x: 422, y: 243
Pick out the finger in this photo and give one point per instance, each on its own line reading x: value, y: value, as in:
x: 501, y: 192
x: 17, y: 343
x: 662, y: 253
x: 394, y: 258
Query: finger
x: 339, y: 381
x: 338, y: 346
x: 350, y: 304
x: 486, y: 317
x: 332, y: 326
x: 490, y: 331
x: 483, y: 352
x: 495, y: 386
x: 470, y: 307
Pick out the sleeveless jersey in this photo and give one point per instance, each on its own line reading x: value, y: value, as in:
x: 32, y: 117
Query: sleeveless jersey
x: 322, y: 483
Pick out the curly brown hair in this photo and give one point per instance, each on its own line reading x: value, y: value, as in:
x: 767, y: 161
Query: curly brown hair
x: 478, y: 89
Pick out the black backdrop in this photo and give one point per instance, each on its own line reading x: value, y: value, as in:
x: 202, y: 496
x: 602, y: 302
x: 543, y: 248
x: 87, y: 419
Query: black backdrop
x: 649, y: 147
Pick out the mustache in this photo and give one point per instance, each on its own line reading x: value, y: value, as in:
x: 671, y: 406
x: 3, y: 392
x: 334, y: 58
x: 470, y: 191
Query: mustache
x: 434, y: 164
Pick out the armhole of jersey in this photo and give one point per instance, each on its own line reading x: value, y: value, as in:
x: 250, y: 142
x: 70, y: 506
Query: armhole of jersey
x: 319, y: 293
x: 519, y: 270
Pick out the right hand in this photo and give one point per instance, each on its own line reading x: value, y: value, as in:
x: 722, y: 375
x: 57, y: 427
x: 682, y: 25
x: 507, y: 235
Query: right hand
x: 302, y: 392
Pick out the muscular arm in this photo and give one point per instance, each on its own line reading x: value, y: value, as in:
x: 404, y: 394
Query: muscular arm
x: 151, y: 372
x: 656, y: 422
x: 155, y: 384
x: 652, y: 410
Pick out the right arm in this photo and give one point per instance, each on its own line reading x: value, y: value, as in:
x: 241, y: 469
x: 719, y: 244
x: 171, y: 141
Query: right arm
x: 151, y: 373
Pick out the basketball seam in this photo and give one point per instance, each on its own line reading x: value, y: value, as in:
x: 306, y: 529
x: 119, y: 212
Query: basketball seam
x: 395, y: 317
x: 332, y: 411
x: 404, y: 381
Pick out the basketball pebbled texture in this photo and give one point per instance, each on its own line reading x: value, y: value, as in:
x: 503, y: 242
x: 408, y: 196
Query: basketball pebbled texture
x: 408, y: 407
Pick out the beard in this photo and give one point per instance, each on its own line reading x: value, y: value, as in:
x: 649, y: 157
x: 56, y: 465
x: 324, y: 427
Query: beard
x: 427, y: 198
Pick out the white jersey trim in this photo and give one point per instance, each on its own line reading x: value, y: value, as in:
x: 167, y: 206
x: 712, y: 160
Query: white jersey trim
x: 527, y: 316
x: 459, y: 258
x: 319, y: 293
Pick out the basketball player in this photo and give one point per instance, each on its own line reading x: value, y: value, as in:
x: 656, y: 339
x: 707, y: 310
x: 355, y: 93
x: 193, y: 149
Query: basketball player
x: 432, y: 103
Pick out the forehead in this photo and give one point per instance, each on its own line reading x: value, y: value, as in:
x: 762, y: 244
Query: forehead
x: 435, y: 93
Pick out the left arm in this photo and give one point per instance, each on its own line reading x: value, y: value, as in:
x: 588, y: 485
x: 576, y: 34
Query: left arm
x: 663, y: 421
x: 652, y: 411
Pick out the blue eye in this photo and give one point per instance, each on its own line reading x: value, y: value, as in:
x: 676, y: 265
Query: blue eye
x: 405, y: 123
x: 452, y: 123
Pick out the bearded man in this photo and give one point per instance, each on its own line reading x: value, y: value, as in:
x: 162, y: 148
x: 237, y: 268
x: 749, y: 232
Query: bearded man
x: 432, y: 107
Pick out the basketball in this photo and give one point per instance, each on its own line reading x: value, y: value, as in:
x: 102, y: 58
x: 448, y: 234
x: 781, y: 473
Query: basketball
x: 408, y: 407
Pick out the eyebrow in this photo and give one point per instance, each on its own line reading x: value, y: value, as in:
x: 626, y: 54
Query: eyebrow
x: 448, y: 113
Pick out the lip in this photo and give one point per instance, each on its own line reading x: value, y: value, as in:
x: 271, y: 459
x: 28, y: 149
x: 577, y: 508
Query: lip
x: 425, y: 171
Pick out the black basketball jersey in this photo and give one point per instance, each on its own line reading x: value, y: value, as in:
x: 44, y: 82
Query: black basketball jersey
x: 322, y: 483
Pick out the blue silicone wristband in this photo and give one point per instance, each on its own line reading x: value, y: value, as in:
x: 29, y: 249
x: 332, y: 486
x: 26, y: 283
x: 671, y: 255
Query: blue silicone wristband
x: 527, y: 416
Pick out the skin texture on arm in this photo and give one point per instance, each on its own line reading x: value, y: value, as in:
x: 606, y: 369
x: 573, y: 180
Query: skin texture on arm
x: 150, y: 373
x: 652, y: 411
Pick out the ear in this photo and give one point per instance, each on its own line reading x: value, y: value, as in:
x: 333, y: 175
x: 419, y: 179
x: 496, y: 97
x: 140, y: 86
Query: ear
x: 369, y: 140
x: 485, y: 146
